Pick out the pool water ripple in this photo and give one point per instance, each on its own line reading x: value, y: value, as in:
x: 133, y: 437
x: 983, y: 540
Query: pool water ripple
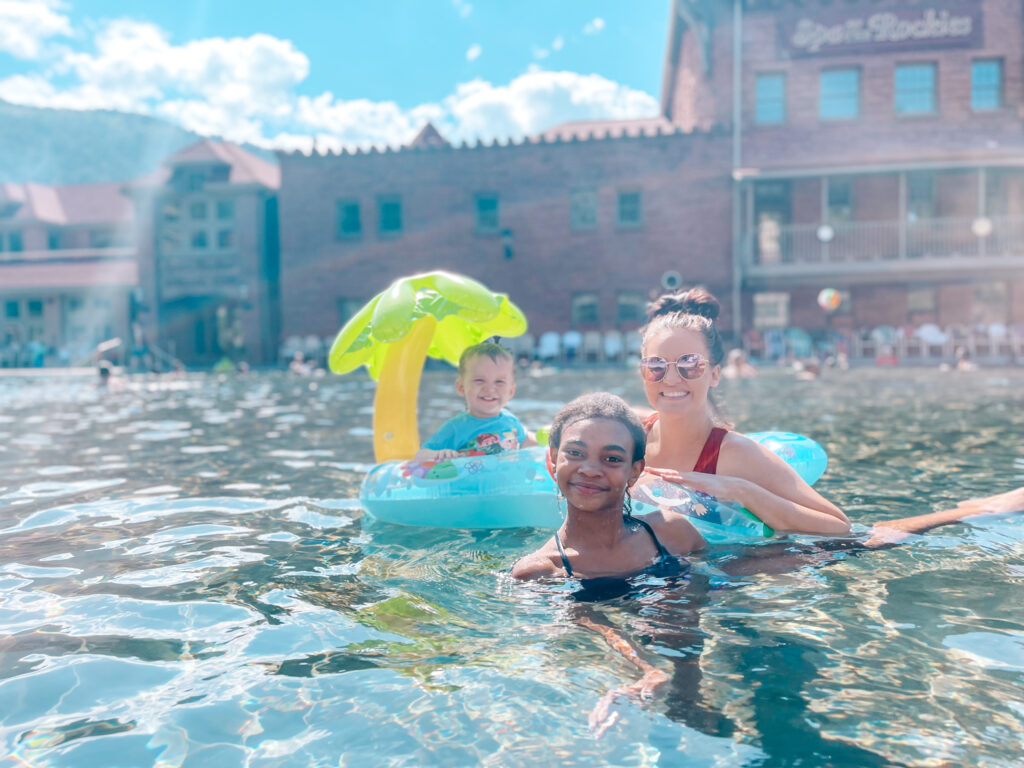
x: 186, y: 578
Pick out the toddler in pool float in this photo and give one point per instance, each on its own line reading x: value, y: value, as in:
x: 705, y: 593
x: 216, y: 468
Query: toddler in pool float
x: 486, y: 379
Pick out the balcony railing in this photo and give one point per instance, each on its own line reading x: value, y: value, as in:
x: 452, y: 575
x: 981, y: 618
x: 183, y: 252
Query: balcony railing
x: 71, y: 254
x: 960, y: 240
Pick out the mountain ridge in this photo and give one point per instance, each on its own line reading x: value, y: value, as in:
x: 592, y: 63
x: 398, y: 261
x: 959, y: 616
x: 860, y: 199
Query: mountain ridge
x: 66, y: 146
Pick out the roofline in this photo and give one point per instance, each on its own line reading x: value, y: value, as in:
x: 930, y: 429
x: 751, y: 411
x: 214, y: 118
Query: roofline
x: 620, y: 134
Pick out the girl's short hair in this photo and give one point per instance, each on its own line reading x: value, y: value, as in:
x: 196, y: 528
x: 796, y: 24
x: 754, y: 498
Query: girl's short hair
x: 599, y: 405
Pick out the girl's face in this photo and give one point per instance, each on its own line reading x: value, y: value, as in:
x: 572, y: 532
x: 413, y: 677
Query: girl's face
x: 674, y: 394
x: 594, y: 464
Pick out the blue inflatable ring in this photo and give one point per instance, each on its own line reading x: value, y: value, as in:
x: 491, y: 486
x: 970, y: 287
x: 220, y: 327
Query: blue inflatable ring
x: 514, y: 490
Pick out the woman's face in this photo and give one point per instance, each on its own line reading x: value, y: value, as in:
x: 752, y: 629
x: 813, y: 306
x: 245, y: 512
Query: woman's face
x: 594, y: 464
x: 674, y: 394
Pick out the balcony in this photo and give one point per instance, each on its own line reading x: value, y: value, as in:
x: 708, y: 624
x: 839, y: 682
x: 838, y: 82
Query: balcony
x: 911, y: 249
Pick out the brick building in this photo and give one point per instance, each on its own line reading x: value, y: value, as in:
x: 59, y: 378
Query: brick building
x: 206, y: 228
x: 68, y: 270
x: 877, y: 150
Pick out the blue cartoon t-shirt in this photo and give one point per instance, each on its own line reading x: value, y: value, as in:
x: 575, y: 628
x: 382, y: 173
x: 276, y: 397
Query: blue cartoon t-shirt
x: 474, y: 435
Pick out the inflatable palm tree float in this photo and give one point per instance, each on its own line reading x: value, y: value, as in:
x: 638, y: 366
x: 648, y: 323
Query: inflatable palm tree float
x: 437, y: 314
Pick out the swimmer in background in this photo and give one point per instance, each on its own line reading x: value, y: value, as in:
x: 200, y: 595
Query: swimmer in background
x: 737, y: 366
x: 487, y: 380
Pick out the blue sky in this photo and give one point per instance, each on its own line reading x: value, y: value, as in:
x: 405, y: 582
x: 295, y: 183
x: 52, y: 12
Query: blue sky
x: 349, y: 73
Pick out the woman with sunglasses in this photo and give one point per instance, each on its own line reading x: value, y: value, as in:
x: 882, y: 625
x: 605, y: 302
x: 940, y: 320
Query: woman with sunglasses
x: 688, y: 441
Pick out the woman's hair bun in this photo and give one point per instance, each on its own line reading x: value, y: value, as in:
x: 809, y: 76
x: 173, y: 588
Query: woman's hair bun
x: 696, y: 301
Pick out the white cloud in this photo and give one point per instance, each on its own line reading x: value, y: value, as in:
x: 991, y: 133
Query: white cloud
x: 536, y: 101
x: 246, y: 89
x: 540, y: 53
x: 463, y: 8
x: 474, y: 52
x: 253, y: 75
x: 558, y: 43
x: 594, y: 26
x: 357, y: 122
x: 26, y: 24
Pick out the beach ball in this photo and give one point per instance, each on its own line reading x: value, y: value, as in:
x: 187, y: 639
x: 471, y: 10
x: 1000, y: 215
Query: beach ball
x: 829, y: 299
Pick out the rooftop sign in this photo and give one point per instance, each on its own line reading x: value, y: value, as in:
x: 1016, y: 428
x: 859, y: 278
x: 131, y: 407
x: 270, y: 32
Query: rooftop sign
x: 898, y: 29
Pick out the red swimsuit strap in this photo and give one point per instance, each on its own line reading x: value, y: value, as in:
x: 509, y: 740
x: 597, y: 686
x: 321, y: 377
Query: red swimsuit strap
x: 708, y: 459
x: 707, y: 462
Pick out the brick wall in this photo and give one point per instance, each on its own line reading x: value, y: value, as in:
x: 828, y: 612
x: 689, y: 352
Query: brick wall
x: 686, y: 224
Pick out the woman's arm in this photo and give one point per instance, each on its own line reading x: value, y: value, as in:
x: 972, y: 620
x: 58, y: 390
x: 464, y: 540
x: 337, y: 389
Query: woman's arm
x: 889, y: 532
x: 755, y: 478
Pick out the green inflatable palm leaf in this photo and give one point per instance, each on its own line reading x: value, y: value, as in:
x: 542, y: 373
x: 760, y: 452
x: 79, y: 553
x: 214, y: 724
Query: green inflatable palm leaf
x: 466, y: 313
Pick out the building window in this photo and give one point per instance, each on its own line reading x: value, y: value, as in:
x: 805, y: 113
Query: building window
x: 771, y: 310
x: 225, y: 210
x: 196, y: 181
x: 487, y: 212
x: 840, y: 201
x: 920, y: 195
x: 990, y: 303
x: 35, y: 308
x: 629, y: 308
x: 350, y: 223
x: 53, y: 240
x: 100, y: 238
x: 839, y: 97
x: 583, y: 210
x: 630, y: 209
x: 172, y: 211
x: 921, y: 300
x: 13, y: 309
x: 389, y: 215
x: 585, y: 310
x: 14, y: 242
x: 770, y: 95
x: 225, y: 238
x: 170, y: 241
x: 197, y: 210
x: 199, y: 239
x: 915, y: 89
x: 986, y: 84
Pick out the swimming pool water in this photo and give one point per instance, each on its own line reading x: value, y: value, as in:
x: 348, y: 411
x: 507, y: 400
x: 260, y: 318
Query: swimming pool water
x: 186, y: 579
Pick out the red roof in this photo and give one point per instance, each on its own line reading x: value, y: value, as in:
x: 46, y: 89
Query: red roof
x: 246, y: 168
x: 68, y: 205
x: 57, y: 274
x: 604, y: 129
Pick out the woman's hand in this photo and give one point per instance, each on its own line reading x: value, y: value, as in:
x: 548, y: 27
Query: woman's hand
x: 721, y: 487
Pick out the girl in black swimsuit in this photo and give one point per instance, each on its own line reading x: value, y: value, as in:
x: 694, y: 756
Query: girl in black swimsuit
x: 597, y: 445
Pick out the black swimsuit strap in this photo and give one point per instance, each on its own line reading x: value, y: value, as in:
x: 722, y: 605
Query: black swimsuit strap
x: 663, y: 553
x: 565, y: 560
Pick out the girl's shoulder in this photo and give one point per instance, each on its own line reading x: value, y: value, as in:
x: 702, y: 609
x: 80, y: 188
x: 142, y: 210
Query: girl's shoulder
x: 674, y: 531
x: 539, y: 564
